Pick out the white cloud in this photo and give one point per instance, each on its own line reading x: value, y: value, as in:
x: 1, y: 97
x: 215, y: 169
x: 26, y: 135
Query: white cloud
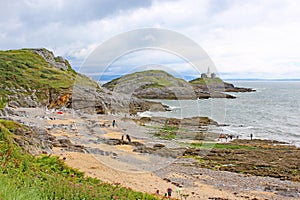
x: 254, y: 38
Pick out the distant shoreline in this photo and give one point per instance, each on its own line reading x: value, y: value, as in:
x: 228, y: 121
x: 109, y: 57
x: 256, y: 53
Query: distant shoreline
x: 267, y: 80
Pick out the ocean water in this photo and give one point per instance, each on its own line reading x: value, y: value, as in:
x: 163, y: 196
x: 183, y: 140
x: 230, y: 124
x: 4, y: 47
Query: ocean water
x: 272, y: 112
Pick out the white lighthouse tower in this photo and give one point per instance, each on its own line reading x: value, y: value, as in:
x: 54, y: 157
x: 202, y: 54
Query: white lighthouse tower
x: 208, y: 73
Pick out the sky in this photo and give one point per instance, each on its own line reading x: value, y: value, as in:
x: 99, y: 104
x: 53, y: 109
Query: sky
x: 244, y: 39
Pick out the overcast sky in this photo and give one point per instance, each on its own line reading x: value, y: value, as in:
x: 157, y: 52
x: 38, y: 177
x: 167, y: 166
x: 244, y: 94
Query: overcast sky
x: 245, y: 39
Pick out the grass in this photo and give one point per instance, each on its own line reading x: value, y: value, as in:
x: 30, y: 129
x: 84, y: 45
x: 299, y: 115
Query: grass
x: 23, y: 71
x: 2, y: 102
x: 222, y: 146
x: 166, y: 136
x: 151, y: 78
x: 205, y: 81
x: 23, y: 176
x: 166, y: 132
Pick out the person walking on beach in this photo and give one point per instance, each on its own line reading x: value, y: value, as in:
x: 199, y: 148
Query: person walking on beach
x: 157, y: 192
x: 251, y: 136
x: 113, y: 123
x: 128, y: 138
x: 169, y: 191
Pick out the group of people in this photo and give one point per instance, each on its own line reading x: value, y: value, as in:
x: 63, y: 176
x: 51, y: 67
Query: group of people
x: 168, y: 194
x: 127, y: 136
x: 226, y: 137
x: 230, y: 137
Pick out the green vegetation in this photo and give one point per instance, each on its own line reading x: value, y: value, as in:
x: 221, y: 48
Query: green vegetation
x: 206, y: 81
x: 23, y: 176
x: 222, y: 146
x: 2, y: 102
x: 23, y: 71
x: 167, y: 132
x: 151, y: 78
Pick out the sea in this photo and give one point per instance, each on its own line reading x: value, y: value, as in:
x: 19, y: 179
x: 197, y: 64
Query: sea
x: 272, y: 112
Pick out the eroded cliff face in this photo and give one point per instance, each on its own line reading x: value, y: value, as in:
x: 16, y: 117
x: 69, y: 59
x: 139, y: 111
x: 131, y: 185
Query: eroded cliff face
x: 105, y: 102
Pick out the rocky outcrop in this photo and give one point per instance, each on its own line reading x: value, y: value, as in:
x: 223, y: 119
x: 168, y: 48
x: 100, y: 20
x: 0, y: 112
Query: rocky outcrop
x: 238, y: 89
x: 57, y: 100
x: 255, y: 157
x: 212, y: 85
x: 166, y: 93
x: 57, y: 62
x: 92, y: 101
x: 189, y: 122
x: 157, y: 84
x: 157, y: 149
x: 34, y: 140
x: 202, y: 94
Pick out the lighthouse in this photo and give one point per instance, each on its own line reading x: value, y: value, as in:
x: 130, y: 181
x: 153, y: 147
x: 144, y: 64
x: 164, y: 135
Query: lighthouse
x: 208, y: 74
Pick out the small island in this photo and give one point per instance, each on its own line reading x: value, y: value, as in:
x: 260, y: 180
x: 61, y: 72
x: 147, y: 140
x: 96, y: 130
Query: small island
x: 158, y: 84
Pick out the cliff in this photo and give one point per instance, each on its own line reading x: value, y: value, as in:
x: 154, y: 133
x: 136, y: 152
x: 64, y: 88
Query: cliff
x: 36, y: 78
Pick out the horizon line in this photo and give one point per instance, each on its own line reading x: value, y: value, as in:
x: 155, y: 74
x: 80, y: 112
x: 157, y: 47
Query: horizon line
x: 262, y: 79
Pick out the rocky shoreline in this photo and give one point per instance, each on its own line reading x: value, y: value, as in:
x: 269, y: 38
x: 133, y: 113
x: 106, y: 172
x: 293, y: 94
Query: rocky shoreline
x: 249, y: 164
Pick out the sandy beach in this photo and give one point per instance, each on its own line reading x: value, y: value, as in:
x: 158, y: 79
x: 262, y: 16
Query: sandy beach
x: 119, y: 164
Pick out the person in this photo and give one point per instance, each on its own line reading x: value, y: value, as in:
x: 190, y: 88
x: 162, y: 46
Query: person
x: 128, y: 138
x: 221, y: 136
x: 113, y: 123
x: 251, y: 136
x: 169, y: 191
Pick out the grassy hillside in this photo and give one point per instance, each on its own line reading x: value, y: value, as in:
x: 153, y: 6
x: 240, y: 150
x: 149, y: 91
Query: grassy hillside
x: 204, y: 81
x: 24, y: 72
x: 149, y: 78
x: 23, y: 176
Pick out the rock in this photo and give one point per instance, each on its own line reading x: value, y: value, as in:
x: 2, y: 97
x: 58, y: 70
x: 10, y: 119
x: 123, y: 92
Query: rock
x: 34, y: 140
x: 158, y: 146
x: 191, y: 122
x: 57, y: 62
x: 13, y: 104
x: 101, y: 152
x: 68, y: 145
x: 237, y: 89
x: 166, y: 152
x: 92, y: 101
